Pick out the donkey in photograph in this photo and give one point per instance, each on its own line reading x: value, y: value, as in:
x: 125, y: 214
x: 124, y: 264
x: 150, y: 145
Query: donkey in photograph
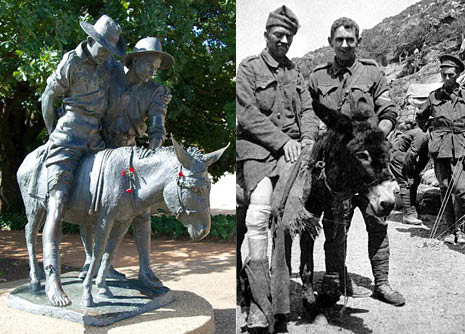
x: 351, y: 158
x: 132, y: 180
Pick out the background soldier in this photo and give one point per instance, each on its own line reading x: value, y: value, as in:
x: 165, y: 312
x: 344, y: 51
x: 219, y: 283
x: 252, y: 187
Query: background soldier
x: 409, y: 156
x: 83, y: 77
x: 275, y: 119
x: 446, y: 107
x: 337, y: 85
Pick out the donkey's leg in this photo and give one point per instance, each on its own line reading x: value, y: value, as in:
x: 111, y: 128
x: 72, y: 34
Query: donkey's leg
x: 102, y: 232
x: 306, y: 273
x: 87, y: 237
x: 142, y: 235
x: 114, y: 241
x: 35, y: 218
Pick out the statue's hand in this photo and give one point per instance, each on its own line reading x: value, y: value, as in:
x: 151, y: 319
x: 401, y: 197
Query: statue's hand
x: 167, y: 99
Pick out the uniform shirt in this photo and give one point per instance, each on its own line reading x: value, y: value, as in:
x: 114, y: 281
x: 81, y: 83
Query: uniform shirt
x: 337, y: 87
x: 129, y: 107
x: 447, y: 134
x: 83, y: 83
x: 272, y: 106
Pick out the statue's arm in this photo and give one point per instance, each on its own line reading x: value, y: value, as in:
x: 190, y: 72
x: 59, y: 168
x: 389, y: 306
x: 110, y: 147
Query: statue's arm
x: 48, y: 112
x: 57, y: 85
x: 157, y: 114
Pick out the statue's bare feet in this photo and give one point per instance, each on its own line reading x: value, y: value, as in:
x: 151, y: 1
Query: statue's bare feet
x: 150, y: 280
x: 55, y: 292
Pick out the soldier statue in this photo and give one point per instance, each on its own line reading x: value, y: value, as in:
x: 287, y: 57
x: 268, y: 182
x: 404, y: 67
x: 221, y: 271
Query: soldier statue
x: 83, y: 78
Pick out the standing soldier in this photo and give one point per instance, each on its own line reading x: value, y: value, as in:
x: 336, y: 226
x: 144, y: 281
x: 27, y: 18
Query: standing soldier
x: 336, y: 85
x: 83, y: 77
x: 446, y: 107
x: 275, y: 119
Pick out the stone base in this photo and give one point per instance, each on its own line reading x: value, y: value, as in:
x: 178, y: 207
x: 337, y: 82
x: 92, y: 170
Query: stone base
x: 129, y: 300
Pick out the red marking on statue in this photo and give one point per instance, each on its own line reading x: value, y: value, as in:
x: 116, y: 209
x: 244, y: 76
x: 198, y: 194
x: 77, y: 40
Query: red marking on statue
x: 131, y: 170
x: 129, y: 190
x: 181, y: 174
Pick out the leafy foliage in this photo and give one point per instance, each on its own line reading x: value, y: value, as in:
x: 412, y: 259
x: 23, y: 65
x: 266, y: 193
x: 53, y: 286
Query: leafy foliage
x: 199, y: 34
x: 223, y: 226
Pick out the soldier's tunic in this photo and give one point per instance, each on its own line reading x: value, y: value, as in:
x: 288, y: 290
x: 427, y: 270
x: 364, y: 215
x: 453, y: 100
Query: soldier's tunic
x: 129, y: 107
x: 272, y: 107
x: 446, y: 139
x: 84, y: 85
x: 340, y: 88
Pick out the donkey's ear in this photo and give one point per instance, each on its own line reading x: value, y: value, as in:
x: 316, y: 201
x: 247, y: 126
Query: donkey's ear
x: 333, y: 119
x: 184, y: 158
x: 211, y: 158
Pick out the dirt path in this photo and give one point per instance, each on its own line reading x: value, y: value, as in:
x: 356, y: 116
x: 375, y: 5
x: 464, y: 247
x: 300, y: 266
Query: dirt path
x: 431, y: 277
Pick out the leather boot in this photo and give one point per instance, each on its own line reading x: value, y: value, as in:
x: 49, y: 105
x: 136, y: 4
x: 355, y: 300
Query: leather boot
x: 355, y: 291
x: 386, y: 294
x: 460, y: 237
x: 408, y: 213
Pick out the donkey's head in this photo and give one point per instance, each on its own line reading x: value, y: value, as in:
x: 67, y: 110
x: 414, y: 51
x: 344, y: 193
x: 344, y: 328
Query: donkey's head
x: 356, y: 154
x: 188, y: 194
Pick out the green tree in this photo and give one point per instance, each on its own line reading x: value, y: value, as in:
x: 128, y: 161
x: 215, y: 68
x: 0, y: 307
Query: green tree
x: 200, y: 35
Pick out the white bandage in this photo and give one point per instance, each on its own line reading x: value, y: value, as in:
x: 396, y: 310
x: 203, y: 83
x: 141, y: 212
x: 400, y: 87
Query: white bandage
x: 257, y: 220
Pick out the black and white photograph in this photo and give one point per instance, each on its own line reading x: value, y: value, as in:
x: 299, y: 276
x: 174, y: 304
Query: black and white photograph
x: 350, y: 147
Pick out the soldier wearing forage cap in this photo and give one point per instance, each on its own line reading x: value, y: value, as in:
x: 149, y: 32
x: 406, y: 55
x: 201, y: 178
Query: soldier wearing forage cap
x: 275, y: 119
x: 445, y: 110
x: 83, y: 78
x: 336, y: 85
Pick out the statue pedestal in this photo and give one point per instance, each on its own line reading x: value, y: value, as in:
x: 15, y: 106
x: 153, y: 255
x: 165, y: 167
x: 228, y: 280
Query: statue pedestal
x: 132, y: 308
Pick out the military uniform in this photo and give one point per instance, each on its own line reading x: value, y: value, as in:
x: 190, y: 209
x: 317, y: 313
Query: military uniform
x: 408, y: 157
x: 338, y: 87
x: 128, y: 109
x: 446, y: 140
x: 272, y: 107
x: 85, y: 86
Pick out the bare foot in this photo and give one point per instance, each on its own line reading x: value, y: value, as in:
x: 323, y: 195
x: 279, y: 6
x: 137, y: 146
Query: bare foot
x: 55, y: 292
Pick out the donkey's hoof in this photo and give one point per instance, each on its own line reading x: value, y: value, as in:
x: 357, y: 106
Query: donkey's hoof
x: 114, y: 274
x: 105, y: 292
x: 151, y: 284
x: 35, y: 287
x: 83, y: 273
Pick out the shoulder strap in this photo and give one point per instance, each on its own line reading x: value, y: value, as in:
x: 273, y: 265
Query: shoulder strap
x: 350, y: 83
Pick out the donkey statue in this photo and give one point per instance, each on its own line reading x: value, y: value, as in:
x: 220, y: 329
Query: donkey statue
x: 106, y: 199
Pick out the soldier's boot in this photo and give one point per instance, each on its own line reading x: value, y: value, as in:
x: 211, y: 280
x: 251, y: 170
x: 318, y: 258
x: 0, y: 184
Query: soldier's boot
x: 385, y: 293
x: 378, y: 251
x: 260, y: 316
x: 459, y: 237
x: 409, y: 216
x: 353, y: 290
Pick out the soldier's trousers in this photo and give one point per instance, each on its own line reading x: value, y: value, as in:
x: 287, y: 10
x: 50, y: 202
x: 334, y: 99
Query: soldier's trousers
x: 336, y: 241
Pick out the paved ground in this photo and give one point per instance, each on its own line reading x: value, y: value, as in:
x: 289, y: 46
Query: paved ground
x: 429, y: 274
x: 206, y: 269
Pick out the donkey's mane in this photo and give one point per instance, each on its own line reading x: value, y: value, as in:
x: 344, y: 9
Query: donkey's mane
x: 142, y: 152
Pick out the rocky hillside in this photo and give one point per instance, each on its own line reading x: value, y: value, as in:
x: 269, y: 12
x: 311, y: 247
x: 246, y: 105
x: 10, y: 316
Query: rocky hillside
x: 431, y: 26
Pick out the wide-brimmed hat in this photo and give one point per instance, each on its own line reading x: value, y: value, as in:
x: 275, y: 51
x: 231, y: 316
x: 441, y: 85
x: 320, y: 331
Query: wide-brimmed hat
x: 108, y: 33
x: 150, y: 45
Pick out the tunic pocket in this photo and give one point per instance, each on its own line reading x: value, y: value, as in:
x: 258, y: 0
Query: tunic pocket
x: 266, y: 91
